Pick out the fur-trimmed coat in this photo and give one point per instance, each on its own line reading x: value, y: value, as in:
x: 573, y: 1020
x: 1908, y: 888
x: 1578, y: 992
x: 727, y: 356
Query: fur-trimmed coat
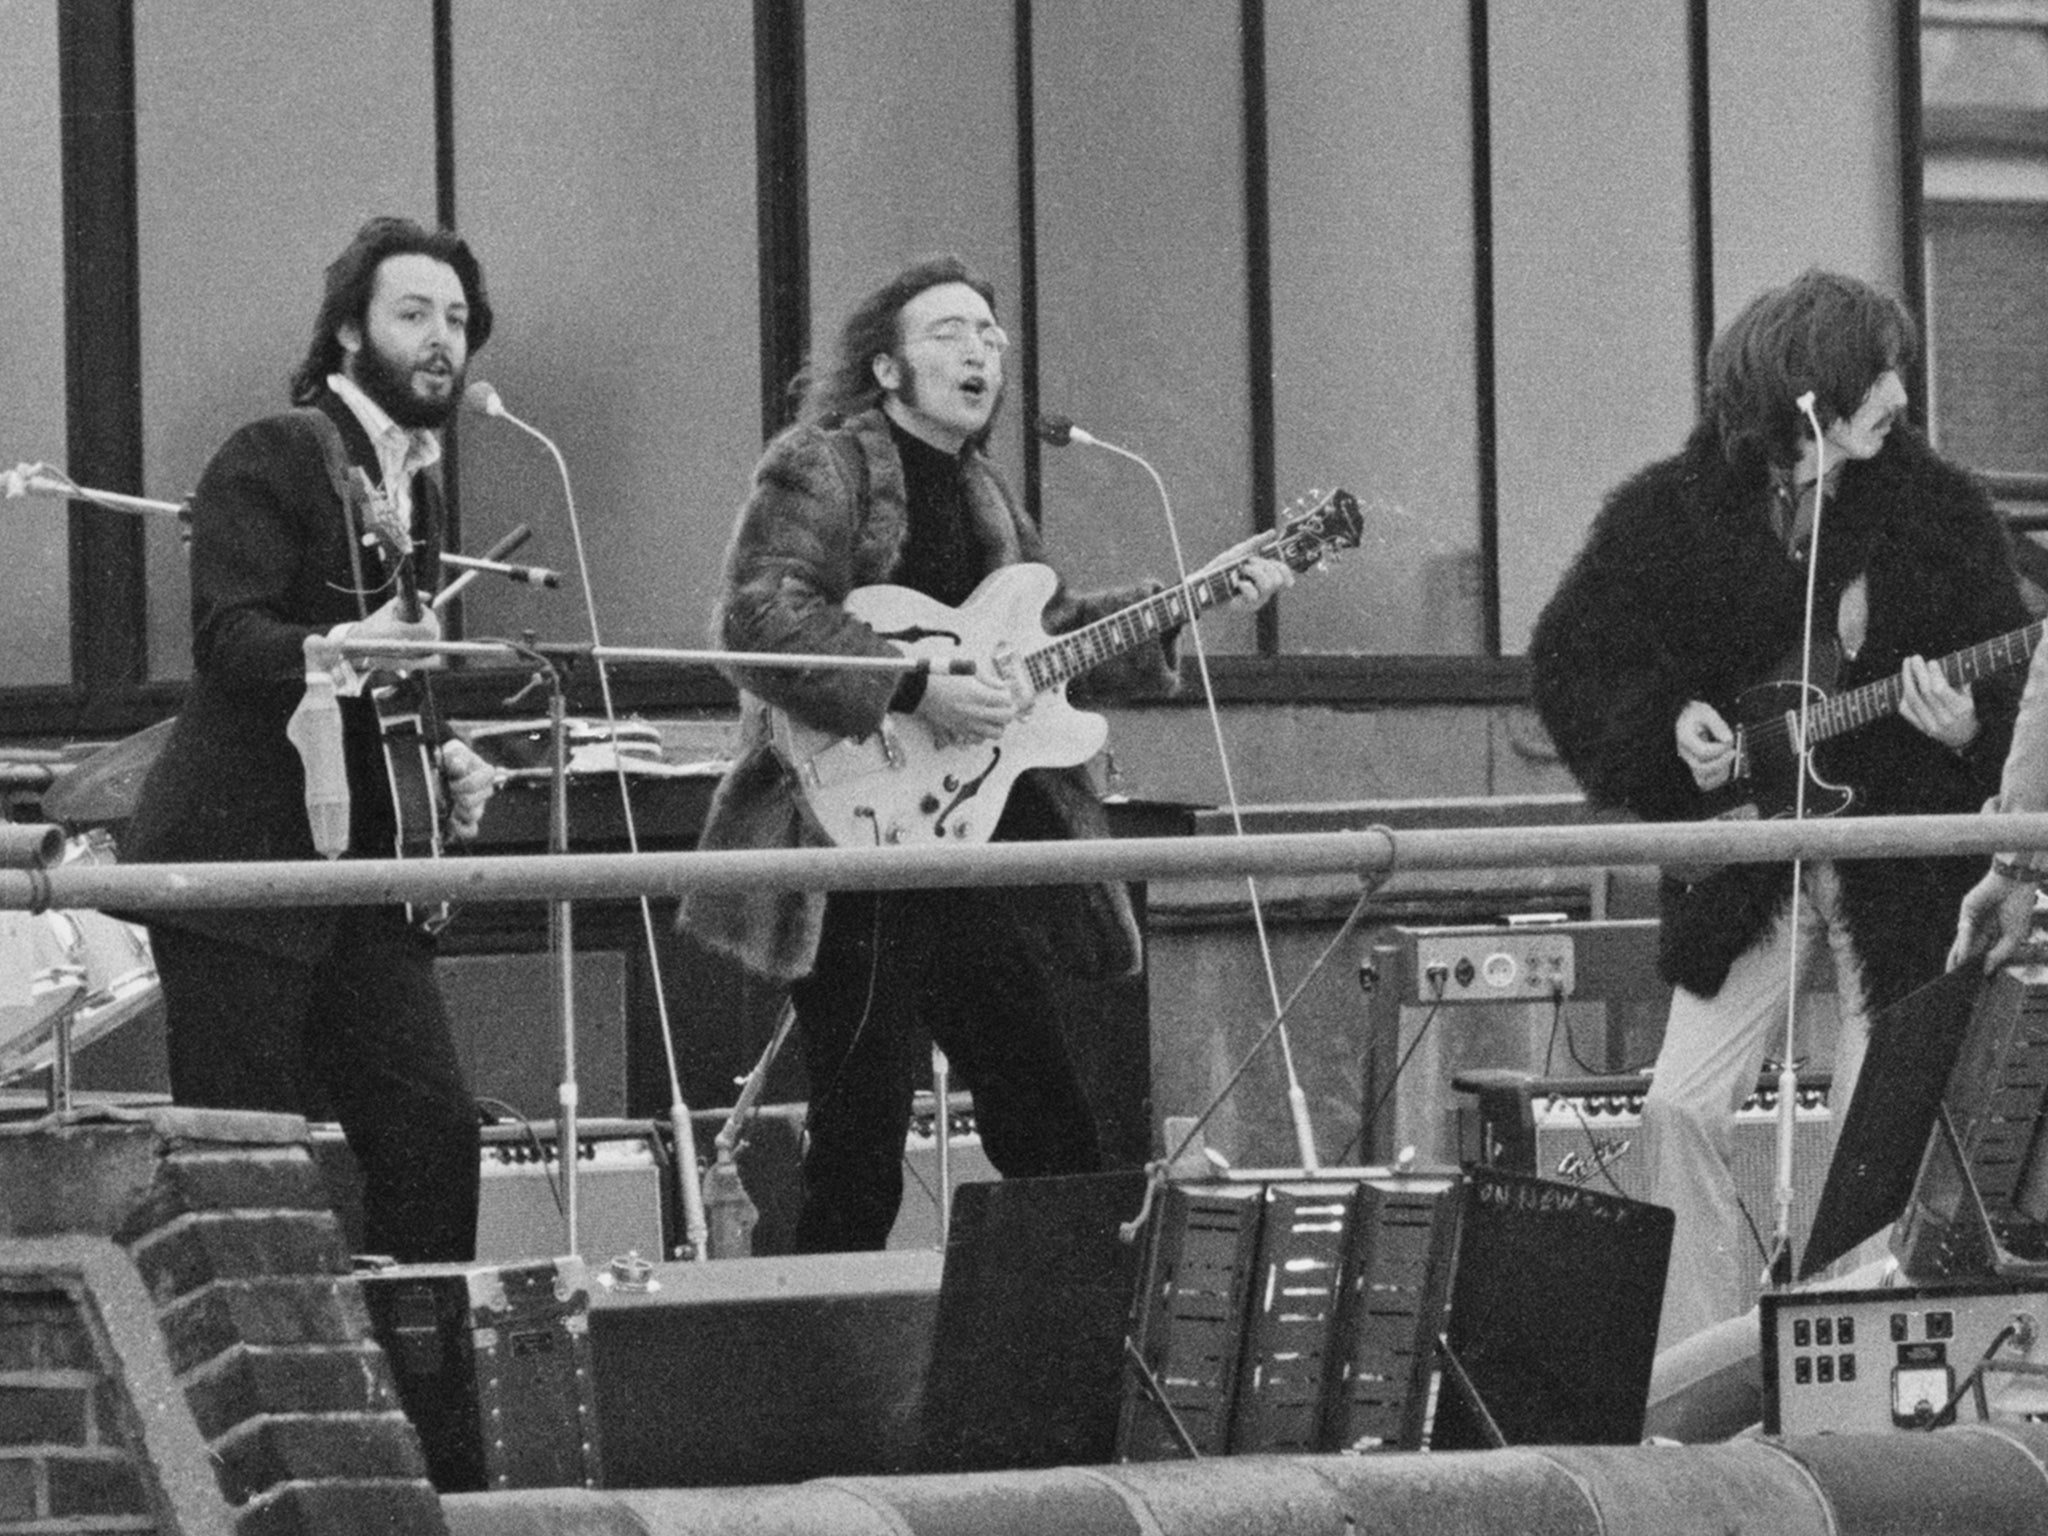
x: 828, y: 514
x: 1684, y: 591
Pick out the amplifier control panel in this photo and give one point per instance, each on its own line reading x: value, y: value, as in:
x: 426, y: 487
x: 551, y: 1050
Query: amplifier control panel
x: 1493, y: 965
x: 1907, y: 1358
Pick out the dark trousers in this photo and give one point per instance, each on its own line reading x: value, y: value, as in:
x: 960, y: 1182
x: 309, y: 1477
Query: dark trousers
x: 359, y: 1033
x: 958, y: 969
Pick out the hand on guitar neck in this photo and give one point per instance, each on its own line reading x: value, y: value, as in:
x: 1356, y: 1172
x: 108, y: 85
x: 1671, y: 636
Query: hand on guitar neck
x: 1719, y: 755
x: 979, y: 707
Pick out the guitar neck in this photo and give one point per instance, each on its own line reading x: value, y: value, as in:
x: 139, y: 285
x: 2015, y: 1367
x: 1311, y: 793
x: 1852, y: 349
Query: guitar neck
x: 1873, y: 701
x: 1082, y: 650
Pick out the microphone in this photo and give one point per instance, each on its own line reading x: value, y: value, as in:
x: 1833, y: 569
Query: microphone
x: 492, y: 559
x: 1060, y: 431
x: 481, y: 397
x: 315, y: 729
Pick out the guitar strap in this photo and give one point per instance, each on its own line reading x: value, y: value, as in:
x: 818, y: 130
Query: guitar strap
x: 336, y: 454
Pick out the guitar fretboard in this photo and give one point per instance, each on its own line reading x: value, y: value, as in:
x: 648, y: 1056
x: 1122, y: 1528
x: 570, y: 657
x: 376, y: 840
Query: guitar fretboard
x: 1088, y: 647
x: 1301, y: 544
x: 1873, y: 701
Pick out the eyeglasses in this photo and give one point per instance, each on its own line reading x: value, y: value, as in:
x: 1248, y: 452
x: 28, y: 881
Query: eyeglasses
x: 955, y: 333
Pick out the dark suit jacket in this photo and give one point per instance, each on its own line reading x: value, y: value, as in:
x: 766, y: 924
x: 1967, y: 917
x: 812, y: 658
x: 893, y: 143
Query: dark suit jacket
x: 270, y: 565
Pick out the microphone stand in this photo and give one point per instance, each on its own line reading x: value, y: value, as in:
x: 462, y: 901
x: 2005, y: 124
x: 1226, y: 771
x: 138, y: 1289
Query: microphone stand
x: 562, y: 951
x: 42, y: 480
x: 1297, y: 1097
x: 560, y: 917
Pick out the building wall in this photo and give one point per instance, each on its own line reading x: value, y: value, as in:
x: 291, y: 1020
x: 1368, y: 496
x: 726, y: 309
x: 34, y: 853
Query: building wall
x: 1486, y: 263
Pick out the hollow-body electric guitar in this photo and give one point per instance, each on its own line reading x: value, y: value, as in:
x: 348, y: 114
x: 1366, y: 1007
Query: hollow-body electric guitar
x: 1769, y: 757
x: 908, y: 784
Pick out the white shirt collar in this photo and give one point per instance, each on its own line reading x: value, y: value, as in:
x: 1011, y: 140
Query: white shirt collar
x: 401, y: 452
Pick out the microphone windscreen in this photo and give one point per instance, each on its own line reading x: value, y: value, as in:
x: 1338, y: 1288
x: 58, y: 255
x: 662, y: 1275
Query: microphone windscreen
x: 1056, y: 430
x: 482, y: 398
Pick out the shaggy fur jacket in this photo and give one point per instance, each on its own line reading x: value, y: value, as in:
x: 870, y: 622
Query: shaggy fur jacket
x: 828, y: 514
x: 1684, y: 591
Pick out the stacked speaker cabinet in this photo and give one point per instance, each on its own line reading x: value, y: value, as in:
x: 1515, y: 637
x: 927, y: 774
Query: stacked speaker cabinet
x: 1979, y: 1206
x: 1320, y: 1313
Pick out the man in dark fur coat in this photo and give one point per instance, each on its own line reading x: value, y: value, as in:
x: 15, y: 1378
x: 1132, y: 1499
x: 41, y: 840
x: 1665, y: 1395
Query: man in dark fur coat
x: 1691, y: 587
x: 885, y: 479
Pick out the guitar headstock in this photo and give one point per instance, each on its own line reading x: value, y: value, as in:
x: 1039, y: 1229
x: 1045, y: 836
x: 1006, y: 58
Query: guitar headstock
x: 1322, y: 522
x: 383, y: 528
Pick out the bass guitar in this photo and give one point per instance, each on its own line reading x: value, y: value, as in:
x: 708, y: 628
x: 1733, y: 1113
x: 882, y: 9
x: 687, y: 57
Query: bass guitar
x: 908, y: 784
x: 407, y: 720
x: 1770, y: 757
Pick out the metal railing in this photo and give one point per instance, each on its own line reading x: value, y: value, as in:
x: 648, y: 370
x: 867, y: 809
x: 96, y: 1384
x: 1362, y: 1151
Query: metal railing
x: 1377, y: 853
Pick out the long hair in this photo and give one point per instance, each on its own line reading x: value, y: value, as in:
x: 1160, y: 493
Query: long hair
x: 352, y: 278
x: 1823, y: 332
x: 847, y: 385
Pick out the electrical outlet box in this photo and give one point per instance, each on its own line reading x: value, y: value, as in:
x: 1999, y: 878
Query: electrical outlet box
x: 1493, y: 966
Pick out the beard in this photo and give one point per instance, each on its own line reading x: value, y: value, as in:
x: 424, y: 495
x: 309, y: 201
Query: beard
x: 388, y: 381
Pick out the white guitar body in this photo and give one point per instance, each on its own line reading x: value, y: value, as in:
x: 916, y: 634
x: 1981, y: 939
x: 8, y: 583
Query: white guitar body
x: 908, y: 785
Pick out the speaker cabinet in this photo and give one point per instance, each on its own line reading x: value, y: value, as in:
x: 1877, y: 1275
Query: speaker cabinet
x: 502, y: 1009
x: 1028, y: 1349
x: 767, y: 1370
x: 1586, y: 1132
x: 1553, y: 1315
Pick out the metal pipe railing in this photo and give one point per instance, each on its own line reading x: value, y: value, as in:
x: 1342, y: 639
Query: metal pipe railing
x: 1377, y: 852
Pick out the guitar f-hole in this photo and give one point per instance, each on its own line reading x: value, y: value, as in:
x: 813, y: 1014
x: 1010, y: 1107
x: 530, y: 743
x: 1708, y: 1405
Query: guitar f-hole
x: 967, y: 791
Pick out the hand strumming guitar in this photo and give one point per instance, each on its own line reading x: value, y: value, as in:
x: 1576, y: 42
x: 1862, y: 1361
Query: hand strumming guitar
x: 471, y: 782
x: 976, y: 708
x: 1935, y: 706
x: 1706, y: 744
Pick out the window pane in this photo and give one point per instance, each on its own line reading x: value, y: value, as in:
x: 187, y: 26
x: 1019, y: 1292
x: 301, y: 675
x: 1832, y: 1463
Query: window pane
x: 35, y: 618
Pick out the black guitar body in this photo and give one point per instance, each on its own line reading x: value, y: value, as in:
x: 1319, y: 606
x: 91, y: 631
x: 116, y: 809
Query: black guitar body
x: 1768, y: 764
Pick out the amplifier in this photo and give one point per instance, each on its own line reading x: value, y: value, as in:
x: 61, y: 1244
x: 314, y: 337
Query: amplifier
x: 619, y: 1183
x: 622, y: 1181
x: 1547, y: 1000
x: 1868, y: 1361
x: 1587, y: 1131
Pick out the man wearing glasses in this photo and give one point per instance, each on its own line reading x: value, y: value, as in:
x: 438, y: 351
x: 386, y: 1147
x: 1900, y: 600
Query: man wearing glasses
x: 885, y: 478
